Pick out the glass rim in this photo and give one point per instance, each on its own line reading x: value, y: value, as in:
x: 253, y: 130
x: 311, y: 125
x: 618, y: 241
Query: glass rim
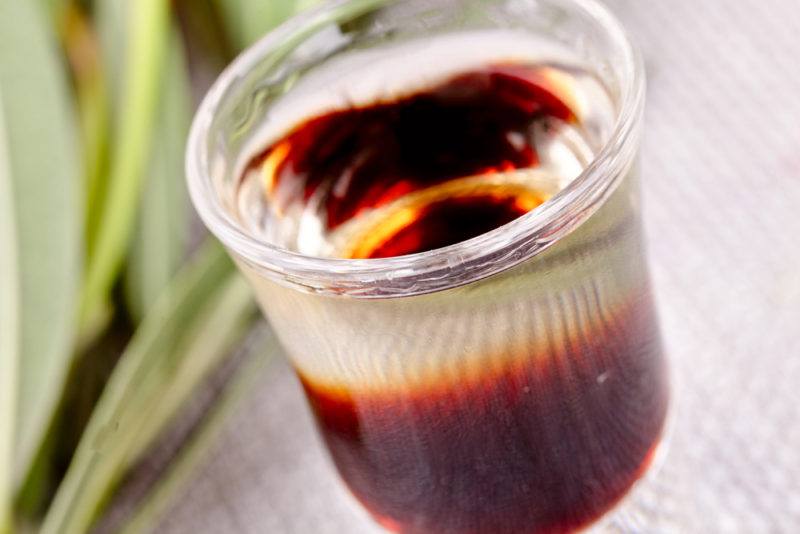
x: 439, y: 269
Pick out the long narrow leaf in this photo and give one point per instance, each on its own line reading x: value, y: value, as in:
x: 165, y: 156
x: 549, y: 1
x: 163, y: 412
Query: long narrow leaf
x: 110, y: 18
x: 55, y: 8
x: 199, y: 446
x: 222, y: 323
x: 157, y: 360
x: 163, y: 223
x: 9, y: 332
x: 45, y: 183
x: 83, y: 50
x: 146, y: 44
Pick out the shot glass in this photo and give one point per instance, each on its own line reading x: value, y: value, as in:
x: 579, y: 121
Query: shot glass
x: 513, y: 382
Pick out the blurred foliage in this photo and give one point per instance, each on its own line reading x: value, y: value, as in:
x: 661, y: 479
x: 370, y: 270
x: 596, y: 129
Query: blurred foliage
x: 96, y: 97
x: 43, y: 177
x: 246, y: 20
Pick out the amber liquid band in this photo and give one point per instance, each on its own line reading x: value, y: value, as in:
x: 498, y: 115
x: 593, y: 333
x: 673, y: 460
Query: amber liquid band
x: 528, y: 400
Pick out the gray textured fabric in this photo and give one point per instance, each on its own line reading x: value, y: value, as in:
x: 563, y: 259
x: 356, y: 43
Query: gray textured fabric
x: 722, y: 169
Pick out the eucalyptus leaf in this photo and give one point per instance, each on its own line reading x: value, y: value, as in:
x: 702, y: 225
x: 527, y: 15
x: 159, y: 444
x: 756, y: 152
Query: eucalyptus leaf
x: 83, y: 48
x: 160, y: 241
x: 221, y: 323
x: 200, y: 444
x: 190, y: 327
x: 110, y: 18
x: 45, y: 177
x: 146, y: 41
x: 9, y: 332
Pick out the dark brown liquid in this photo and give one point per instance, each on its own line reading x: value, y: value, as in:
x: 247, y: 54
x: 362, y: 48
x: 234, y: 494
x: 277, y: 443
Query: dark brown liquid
x: 547, y: 442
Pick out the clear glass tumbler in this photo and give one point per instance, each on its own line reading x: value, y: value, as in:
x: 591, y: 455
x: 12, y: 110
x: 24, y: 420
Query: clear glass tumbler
x: 513, y: 382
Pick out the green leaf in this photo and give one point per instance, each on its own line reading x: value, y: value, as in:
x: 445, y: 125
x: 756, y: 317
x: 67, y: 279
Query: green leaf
x: 160, y: 241
x: 9, y: 332
x: 187, y: 332
x: 146, y: 39
x: 110, y: 19
x: 196, y: 450
x: 40, y: 154
x: 221, y: 323
x: 248, y: 20
x: 83, y: 49
x: 55, y: 8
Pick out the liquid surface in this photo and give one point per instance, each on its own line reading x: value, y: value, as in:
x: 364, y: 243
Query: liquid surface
x: 425, y: 171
